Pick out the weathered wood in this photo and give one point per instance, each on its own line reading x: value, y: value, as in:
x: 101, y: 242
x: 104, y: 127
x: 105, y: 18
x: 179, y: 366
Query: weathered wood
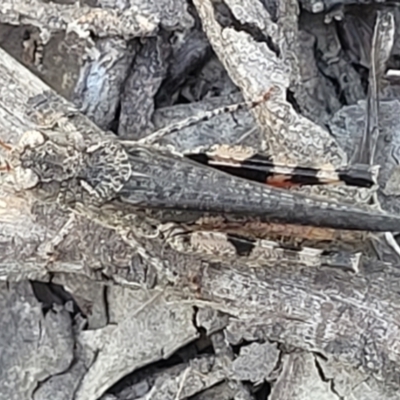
x: 302, y: 369
x: 30, y: 341
x: 53, y: 17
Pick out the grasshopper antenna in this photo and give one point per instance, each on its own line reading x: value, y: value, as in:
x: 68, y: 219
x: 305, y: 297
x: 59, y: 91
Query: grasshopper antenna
x: 205, y: 116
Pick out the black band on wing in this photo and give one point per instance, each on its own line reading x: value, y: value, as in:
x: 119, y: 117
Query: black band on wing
x: 262, y: 169
x: 360, y: 175
x: 259, y: 169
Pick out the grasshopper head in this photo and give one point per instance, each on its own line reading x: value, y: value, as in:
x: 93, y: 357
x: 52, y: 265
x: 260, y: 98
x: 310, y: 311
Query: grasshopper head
x: 39, y: 158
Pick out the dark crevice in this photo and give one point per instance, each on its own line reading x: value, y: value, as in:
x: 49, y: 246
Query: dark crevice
x: 106, y: 305
x: 320, y: 370
x: 263, y: 391
x: 292, y: 100
x: 114, y: 125
x: 184, y: 64
x: 340, y: 94
x: 364, y: 76
x: 149, y: 373
x: 236, y: 347
x: 193, y: 350
x: 49, y: 294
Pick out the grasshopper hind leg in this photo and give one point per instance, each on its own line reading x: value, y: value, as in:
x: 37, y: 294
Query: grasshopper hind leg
x: 223, y: 247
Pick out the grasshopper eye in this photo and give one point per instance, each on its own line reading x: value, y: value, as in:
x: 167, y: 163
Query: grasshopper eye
x: 31, y: 139
x: 24, y: 178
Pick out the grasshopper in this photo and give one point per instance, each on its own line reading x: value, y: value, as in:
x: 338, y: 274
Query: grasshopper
x: 192, y: 205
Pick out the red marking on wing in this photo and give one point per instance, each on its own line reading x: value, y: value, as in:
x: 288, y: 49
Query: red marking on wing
x: 281, y: 181
x: 286, y: 182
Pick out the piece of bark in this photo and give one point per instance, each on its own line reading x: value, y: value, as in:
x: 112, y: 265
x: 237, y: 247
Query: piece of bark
x: 171, y: 14
x: 33, y: 346
x: 51, y: 17
x: 151, y: 329
x: 211, y: 320
x: 349, y: 384
x: 63, y: 385
x: 255, y: 362
x: 102, y: 76
x: 300, y: 380
x: 140, y: 88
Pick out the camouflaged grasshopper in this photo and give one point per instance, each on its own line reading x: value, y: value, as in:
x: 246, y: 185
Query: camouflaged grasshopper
x: 195, y: 207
